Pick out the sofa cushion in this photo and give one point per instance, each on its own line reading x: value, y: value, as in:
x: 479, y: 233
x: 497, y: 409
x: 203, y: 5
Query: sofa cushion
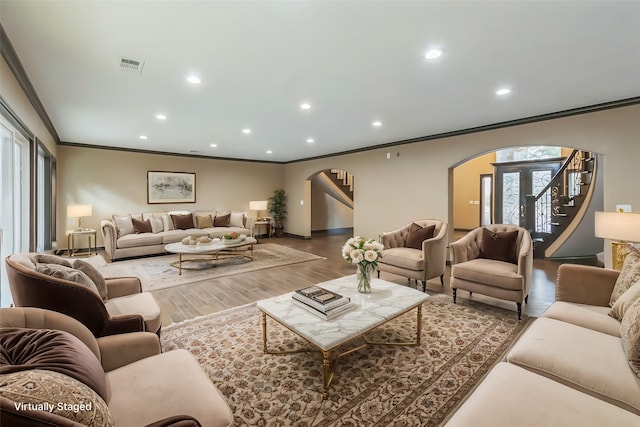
x: 62, y: 395
x: 417, y: 235
x: 629, y: 275
x: 589, y: 361
x: 94, y: 275
x: 23, y: 349
x: 624, y: 302
x: 630, y: 333
x: 204, y: 221
x: 50, y: 259
x: 183, y: 388
x: 408, y: 258
x: 512, y: 396
x: 236, y: 219
x: 61, y: 272
x: 124, y: 224
x: 156, y: 224
x: 141, y: 226
x: 499, y: 245
x: 222, y: 220
x: 182, y: 222
x: 143, y: 304
x: 587, y: 316
x: 499, y: 273
x: 136, y: 240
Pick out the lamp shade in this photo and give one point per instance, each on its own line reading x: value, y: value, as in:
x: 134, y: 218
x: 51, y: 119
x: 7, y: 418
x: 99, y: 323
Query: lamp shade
x: 258, y: 205
x: 79, y: 211
x: 624, y: 226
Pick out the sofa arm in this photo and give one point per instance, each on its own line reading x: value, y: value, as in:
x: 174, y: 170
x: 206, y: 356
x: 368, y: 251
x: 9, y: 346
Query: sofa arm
x: 176, y: 421
x: 434, y: 253
x: 466, y: 248
x: 122, y: 286
x: 123, y: 324
x: 110, y: 237
x: 248, y: 224
x: 395, y: 238
x: 122, y: 349
x: 583, y: 284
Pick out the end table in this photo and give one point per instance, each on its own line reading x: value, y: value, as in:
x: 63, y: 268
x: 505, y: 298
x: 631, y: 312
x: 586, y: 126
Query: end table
x: 89, y: 232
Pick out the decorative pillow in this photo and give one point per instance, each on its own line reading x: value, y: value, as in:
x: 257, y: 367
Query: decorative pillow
x: 167, y: 224
x: 500, y: 246
x: 236, y: 219
x: 124, y: 224
x: 66, y: 273
x: 418, y: 234
x: 222, y: 220
x: 141, y: 226
x: 52, y: 350
x: 204, y: 221
x: 156, y: 225
x: 630, y: 334
x: 50, y: 259
x: 625, y: 301
x: 62, y: 395
x: 95, y: 276
x: 629, y: 275
x: 182, y: 222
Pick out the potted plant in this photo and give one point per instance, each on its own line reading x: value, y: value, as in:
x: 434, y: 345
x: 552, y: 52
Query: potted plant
x: 278, y: 208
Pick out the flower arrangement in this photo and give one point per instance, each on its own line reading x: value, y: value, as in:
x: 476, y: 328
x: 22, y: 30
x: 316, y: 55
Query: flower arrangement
x: 365, y: 254
x: 231, y: 236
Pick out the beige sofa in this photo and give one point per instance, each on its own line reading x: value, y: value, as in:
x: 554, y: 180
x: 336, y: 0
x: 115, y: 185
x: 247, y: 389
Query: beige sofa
x: 50, y: 357
x: 568, y: 369
x: 125, y: 236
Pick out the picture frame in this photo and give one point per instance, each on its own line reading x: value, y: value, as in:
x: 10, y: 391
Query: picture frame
x: 171, y: 187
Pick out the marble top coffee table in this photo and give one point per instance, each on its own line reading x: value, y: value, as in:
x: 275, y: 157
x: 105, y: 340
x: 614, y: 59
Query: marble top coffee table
x: 385, y: 302
x: 215, y: 248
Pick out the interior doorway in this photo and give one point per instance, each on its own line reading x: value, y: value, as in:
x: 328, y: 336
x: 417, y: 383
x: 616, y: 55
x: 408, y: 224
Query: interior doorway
x: 331, y: 201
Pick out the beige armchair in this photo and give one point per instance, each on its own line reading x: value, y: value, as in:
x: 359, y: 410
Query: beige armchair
x: 497, y: 265
x: 406, y: 254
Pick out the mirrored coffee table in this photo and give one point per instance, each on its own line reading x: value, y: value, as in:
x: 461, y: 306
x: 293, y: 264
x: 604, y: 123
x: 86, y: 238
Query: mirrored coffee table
x: 214, y: 249
x: 385, y: 302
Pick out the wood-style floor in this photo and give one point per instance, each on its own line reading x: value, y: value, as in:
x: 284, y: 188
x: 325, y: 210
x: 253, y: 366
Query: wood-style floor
x: 200, y: 298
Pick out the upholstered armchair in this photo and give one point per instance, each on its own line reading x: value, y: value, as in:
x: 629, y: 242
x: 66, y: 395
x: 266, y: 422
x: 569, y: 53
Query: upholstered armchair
x: 495, y: 260
x: 416, y: 251
x: 125, y: 309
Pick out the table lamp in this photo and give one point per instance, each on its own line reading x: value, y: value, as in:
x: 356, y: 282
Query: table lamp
x: 622, y: 227
x: 258, y: 205
x: 79, y: 211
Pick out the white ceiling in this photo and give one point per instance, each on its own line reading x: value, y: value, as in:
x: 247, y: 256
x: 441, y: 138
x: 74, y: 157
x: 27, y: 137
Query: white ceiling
x: 353, y: 61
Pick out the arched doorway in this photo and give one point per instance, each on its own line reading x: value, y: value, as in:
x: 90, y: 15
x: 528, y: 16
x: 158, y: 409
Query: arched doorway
x: 330, y: 195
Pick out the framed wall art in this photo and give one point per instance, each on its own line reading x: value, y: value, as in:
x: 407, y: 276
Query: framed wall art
x: 171, y: 187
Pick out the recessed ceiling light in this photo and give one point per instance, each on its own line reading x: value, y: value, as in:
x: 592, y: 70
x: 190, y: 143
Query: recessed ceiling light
x: 246, y: 131
x: 503, y: 91
x: 377, y: 123
x: 161, y: 117
x: 433, y: 54
x: 194, y: 80
x: 143, y: 137
x: 269, y: 152
x: 213, y: 145
x: 310, y: 140
x: 305, y: 106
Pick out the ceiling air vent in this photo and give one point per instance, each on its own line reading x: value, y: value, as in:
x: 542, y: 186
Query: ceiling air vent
x: 130, y: 65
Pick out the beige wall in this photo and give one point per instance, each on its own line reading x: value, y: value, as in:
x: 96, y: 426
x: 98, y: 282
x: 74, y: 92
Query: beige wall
x: 466, y: 188
x: 116, y: 182
x: 389, y: 193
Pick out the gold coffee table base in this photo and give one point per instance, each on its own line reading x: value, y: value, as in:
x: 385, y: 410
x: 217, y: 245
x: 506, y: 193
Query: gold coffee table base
x: 328, y: 366
x: 225, y: 253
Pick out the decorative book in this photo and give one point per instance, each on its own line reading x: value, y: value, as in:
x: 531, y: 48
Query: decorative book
x: 319, y: 298
x: 329, y: 314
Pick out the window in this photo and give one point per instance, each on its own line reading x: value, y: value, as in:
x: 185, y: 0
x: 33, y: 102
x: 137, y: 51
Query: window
x: 527, y: 153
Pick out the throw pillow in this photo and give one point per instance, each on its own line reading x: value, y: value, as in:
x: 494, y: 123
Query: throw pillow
x: 182, y: 222
x: 141, y: 226
x: 94, y: 275
x: 222, y: 220
x: 418, y: 234
x: 52, y: 350
x: 124, y: 224
x: 50, y: 259
x: 204, y: 221
x: 156, y: 224
x: 61, y: 394
x: 625, y: 301
x: 629, y: 275
x: 500, y: 246
x: 630, y: 335
x: 236, y: 219
x: 66, y: 273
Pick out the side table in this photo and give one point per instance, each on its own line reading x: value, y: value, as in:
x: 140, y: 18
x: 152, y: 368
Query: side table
x: 89, y: 232
x: 266, y: 224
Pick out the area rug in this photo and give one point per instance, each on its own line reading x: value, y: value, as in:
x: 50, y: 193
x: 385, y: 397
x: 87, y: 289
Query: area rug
x: 157, y: 273
x: 376, y: 386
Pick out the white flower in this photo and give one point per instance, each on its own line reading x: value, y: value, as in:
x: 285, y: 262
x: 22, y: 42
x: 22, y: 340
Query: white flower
x: 356, y: 256
x: 370, y: 255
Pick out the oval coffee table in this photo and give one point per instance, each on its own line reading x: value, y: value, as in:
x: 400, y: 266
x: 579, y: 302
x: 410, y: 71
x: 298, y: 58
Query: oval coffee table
x: 214, y: 249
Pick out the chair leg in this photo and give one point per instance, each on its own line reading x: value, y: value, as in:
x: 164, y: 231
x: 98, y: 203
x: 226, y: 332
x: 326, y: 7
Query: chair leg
x: 455, y: 292
x: 424, y: 286
x: 442, y: 280
x: 526, y: 299
x: 519, y: 310
x: 378, y: 274
x: 470, y: 294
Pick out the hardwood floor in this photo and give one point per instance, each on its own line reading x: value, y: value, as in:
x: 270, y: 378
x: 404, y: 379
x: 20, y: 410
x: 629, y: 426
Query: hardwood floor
x: 197, y: 299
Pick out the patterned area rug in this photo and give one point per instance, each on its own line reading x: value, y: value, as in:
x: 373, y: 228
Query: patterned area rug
x: 157, y: 273
x: 376, y: 386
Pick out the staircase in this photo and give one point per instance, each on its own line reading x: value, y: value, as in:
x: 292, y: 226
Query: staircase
x: 343, y: 180
x: 550, y: 212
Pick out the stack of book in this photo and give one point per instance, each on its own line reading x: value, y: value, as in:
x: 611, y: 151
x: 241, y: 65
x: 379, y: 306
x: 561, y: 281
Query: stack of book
x: 322, y: 302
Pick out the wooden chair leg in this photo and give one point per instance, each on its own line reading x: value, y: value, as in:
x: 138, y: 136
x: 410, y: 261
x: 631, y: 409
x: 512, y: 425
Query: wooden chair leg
x: 455, y: 292
x: 424, y: 286
x: 378, y: 274
x: 526, y: 299
x: 442, y: 280
x: 519, y: 304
